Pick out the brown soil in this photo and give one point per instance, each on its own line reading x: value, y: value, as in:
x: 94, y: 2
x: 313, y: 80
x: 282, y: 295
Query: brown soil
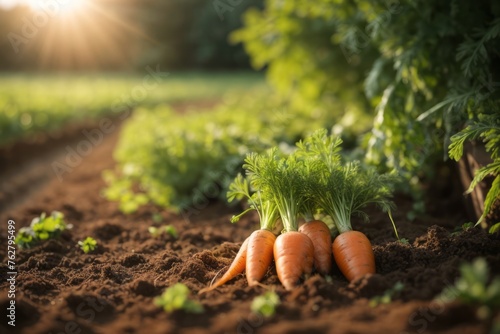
x: 60, y: 289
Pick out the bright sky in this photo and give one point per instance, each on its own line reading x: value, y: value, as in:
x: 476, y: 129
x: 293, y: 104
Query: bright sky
x: 65, y: 4
x: 12, y: 3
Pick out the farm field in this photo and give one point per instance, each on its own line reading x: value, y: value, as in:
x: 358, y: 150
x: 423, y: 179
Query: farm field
x: 112, y: 289
x: 247, y: 167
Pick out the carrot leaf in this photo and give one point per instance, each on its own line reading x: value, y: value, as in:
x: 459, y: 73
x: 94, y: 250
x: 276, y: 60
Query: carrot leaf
x: 278, y: 178
x: 267, y: 211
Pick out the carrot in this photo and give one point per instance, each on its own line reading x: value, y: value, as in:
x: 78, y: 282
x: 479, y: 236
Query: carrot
x: 259, y: 255
x: 294, y: 256
x: 256, y: 253
x: 236, y: 267
x: 319, y: 233
x: 341, y: 190
x: 353, y: 254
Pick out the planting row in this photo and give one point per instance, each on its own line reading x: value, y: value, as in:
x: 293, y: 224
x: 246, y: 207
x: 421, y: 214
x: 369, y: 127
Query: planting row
x: 32, y: 104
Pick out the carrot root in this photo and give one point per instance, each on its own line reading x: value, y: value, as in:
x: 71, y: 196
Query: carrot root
x: 236, y: 267
x: 259, y: 255
x: 294, y: 256
x: 319, y: 233
x: 353, y: 254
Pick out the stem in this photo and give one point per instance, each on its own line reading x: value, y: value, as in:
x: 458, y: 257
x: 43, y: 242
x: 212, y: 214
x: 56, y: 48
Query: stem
x: 341, y: 217
x: 308, y: 216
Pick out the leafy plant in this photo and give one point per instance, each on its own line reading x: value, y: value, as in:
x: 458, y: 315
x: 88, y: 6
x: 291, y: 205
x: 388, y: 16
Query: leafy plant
x: 495, y: 228
x: 266, y: 304
x: 158, y: 231
x: 464, y: 227
x: 404, y: 241
x: 473, y: 287
x: 175, y: 298
x: 340, y: 189
x: 88, y: 245
x: 424, y: 68
x: 386, y: 297
x: 58, y: 100
x: 183, y: 161
x: 487, y: 128
x: 42, y: 228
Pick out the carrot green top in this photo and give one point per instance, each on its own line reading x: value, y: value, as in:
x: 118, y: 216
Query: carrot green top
x: 340, y: 190
x: 266, y: 209
x: 278, y: 178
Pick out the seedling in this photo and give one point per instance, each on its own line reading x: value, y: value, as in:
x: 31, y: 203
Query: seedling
x: 404, y: 241
x: 266, y: 304
x: 156, y: 232
x: 472, y: 287
x: 464, y: 227
x: 386, y: 298
x: 157, y: 218
x: 177, y: 298
x: 495, y: 228
x: 88, y: 245
x: 42, y: 228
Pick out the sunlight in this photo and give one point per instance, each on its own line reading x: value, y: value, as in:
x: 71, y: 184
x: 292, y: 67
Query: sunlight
x: 64, y: 7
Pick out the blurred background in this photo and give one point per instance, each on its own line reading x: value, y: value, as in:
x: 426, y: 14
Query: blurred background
x: 105, y: 35
x: 410, y: 86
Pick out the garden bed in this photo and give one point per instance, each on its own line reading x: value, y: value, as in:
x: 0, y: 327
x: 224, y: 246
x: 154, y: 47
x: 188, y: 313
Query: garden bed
x: 60, y: 289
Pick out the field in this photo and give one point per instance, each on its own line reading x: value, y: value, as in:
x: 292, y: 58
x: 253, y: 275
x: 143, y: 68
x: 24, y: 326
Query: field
x: 116, y: 191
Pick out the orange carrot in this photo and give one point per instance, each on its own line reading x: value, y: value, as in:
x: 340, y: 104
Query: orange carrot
x: 294, y: 256
x: 259, y: 255
x: 319, y: 233
x: 236, y: 267
x: 353, y: 254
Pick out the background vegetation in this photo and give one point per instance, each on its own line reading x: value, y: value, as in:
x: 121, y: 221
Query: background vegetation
x: 401, y: 81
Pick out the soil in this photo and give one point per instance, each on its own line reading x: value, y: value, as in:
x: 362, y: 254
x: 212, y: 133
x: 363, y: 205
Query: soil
x: 59, y: 289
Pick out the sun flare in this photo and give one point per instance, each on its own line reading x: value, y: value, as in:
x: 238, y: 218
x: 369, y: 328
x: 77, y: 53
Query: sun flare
x: 61, y: 7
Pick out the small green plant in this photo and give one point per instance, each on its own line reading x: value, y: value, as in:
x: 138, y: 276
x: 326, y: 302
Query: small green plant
x: 88, y: 245
x: 157, y: 218
x: 42, y: 228
x: 156, y: 232
x: 386, y: 298
x: 266, y: 304
x: 464, y: 227
x: 495, y: 228
x: 473, y: 288
x: 175, y: 298
x: 404, y: 241
x: 486, y: 128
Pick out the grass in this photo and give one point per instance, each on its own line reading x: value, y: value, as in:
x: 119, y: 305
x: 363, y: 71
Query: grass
x: 31, y: 103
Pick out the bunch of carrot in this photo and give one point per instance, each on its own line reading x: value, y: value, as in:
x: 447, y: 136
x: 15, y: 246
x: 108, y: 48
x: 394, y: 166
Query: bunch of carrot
x: 309, y: 181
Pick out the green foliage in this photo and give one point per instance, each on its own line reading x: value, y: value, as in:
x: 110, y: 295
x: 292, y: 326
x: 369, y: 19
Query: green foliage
x: 41, y: 229
x: 424, y: 67
x: 474, y: 287
x: 340, y: 189
x: 495, y: 228
x: 277, y: 177
x: 464, y: 227
x: 386, y: 297
x: 313, y: 178
x: 266, y: 304
x: 182, y: 161
x: 211, y: 28
x: 404, y: 241
x: 156, y: 232
x: 486, y: 128
x: 88, y: 245
x: 176, y: 298
x: 268, y: 213
x: 55, y: 101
